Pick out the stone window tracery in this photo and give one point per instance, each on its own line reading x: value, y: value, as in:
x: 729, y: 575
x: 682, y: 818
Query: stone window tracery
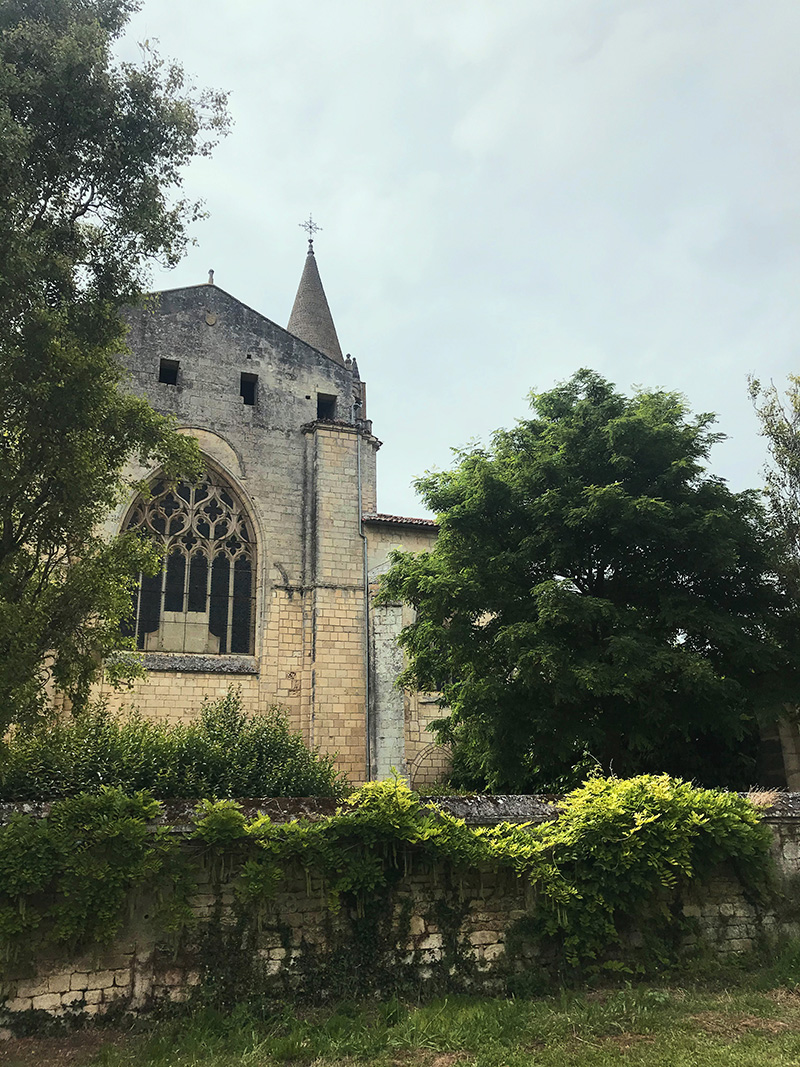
x: 202, y: 599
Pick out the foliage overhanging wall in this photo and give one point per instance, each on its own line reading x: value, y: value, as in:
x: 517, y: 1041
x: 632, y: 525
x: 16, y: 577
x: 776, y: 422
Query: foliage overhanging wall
x: 386, y: 894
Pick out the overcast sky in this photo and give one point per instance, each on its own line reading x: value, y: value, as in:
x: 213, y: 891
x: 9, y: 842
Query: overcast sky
x: 509, y: 190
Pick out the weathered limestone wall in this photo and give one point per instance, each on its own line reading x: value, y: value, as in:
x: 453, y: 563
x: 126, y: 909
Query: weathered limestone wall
x: 466, y: 930
x: 399, y: 718
x: 298, y: 945
x: 176, y: 695
x: 388, y: 703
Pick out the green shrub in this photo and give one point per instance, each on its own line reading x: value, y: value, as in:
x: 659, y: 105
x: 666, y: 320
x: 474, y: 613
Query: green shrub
x: 64, y: 879
x: 617, y: 860
x: 628, y: 847
x: 224, y: 753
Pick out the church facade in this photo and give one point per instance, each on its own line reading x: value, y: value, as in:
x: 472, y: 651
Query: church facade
x: 271, y: 561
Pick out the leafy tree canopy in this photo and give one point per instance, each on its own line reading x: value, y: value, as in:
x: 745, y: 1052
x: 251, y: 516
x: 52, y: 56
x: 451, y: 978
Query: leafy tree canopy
x: 90, y: 177
x: 596, y: 597
x: 780, y: 425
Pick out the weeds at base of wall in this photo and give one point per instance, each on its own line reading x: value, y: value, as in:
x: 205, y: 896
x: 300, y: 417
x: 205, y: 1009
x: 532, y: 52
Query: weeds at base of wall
x: 775, y: 964
x: 121, y: 1014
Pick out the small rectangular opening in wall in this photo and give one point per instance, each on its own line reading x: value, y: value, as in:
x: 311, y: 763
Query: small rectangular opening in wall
x: 326, y: 406
x: 168, y: 371
x: 247, y: 388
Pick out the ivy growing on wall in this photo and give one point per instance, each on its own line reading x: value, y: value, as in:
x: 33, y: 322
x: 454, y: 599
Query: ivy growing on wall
x: 64, y: 879
x: 618, y: 846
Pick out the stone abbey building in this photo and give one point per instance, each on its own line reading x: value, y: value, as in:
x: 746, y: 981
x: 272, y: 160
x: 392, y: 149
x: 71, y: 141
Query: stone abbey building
x: 271, y: 561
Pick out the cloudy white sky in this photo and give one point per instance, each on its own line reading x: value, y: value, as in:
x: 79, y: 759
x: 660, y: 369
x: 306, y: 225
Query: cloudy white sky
x: 509, y: 190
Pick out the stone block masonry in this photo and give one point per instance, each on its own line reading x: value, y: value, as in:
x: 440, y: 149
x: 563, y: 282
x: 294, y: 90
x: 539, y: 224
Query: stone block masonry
x: 434, y: 927
x: 295, y: 458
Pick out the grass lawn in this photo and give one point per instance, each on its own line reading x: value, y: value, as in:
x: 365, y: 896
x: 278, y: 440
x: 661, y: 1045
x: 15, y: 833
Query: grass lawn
x: 642, y: 1025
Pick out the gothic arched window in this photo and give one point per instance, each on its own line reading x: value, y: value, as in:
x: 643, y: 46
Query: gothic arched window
x: 202, y: 599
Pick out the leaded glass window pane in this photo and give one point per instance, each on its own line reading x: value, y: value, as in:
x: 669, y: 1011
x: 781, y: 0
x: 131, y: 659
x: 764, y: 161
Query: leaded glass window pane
x: 202, y: 600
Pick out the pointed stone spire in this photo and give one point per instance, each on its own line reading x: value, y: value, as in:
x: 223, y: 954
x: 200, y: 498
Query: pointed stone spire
x: 311, y: 318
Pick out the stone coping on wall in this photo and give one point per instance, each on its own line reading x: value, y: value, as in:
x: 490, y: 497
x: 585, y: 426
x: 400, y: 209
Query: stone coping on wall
x: 191, y: 663
x: 784, y: 808
x: 178, y: 813
x: 485, y: 810
x: 475, y: 810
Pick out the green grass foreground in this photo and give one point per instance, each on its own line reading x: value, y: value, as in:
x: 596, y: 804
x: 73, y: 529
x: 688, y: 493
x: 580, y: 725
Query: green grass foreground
x: 739, y: 1019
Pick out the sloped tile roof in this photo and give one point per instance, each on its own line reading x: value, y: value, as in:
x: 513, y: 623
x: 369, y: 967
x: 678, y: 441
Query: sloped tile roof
x: 397, y: 520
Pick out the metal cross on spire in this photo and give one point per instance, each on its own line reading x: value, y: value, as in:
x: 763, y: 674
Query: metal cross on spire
x: 311, y: 228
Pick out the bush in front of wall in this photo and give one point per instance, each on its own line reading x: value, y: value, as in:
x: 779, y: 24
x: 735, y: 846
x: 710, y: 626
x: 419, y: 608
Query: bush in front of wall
x: 226, y: 752
x: 629, y: 847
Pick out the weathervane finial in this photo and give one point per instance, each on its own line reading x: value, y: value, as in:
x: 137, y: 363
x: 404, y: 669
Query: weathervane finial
x: 311, y: 228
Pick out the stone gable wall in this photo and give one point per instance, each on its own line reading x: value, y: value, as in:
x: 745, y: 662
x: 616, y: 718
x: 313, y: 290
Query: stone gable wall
x: 298, y: 478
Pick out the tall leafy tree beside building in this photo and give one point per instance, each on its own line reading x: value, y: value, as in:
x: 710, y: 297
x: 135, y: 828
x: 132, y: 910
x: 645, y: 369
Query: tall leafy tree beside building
x: 90, y: 195
x: 779, y: 416
x: 597, y: 597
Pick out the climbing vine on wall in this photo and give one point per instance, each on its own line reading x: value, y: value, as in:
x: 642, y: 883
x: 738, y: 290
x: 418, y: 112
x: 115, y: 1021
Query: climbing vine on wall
x: 617, y: 846
x: 64, y: 879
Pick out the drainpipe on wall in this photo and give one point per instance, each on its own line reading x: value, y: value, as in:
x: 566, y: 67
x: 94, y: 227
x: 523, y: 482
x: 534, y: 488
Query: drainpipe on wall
x: 363, y: 536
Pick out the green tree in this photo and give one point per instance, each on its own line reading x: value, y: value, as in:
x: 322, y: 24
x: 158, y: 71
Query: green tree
x: 90, y: 176
x: 780, y: 425
x: 596, y: 597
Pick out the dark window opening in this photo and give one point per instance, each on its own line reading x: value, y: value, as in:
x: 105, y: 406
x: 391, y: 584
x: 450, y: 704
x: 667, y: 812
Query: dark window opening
x: 240, y: 606
x: 247, y: 388
x: 326, y: 407
x: 198, y: 583
x: 173, y: 586
x: 219, y: 601
x: 168, y: 371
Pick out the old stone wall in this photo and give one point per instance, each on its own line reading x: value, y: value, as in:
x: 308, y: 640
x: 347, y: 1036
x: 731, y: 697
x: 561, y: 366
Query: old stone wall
x: 464, y: 931
x: 399, y: 717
